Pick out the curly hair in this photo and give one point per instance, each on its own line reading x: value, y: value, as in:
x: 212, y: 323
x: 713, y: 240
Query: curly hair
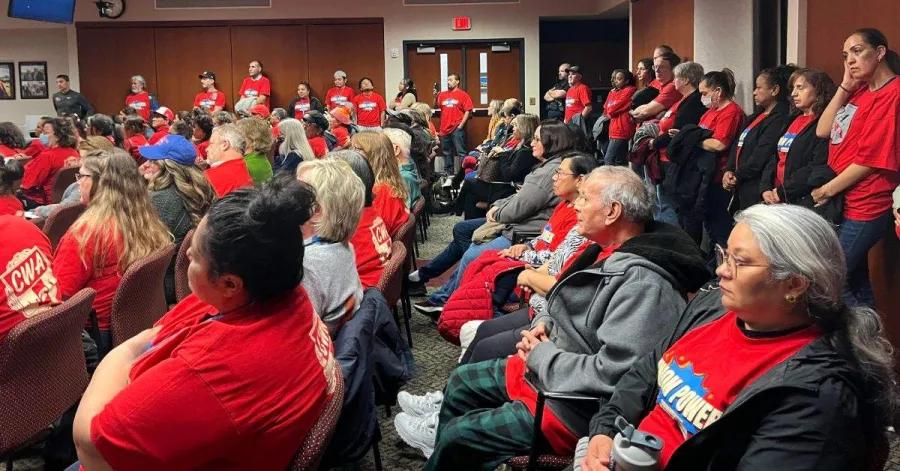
x: 379, y: 151
x: 258, y: 134
x: 63, y: 132
x: 190, y: 184
x: 11, y: 136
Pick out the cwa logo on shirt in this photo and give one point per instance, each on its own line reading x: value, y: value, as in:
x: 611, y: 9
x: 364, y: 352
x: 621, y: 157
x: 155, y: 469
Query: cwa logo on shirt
x: 570, y: 102
x: 29, y: 283
x: 683, y: 397
x: 368, y: 106
x: 740, y: 142
x: 251, y: 93
x: 842, y: 122
x: 208, y: 103
x: 324, y: 353
x: 381, y: 238
x: 301, y: 107
x: 450, y: 103
x: 339, y: 99
x: 138, y: 105
x: 784, y: 144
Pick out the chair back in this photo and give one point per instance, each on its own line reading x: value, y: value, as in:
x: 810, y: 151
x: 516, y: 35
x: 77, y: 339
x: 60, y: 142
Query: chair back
x: 182, y: 290
x: 42, y: 369
x: 63, y: 178
x: 313, y: 447
x: 406, y: 235
x: 140, y: 299
x: 418, y: 206
x: 391, y: 282
x: 60, y: 220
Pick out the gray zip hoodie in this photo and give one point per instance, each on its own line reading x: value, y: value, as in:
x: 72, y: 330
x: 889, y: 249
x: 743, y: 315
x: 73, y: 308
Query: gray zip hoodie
x: 529, y: 209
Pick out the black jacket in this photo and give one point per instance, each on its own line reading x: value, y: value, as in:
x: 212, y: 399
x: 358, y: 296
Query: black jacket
x: 689, y: 112
x: 314, y: 104
x: 806, y: 413
x: 690, y: 171
x: 757, y: 151
x: 514, y: 165
x: 72, y: 103
x: 808, y: 153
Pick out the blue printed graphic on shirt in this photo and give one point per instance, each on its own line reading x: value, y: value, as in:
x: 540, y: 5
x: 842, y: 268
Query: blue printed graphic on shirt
x: 683, y: 397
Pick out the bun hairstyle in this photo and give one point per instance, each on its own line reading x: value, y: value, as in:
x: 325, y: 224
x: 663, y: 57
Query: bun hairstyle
x: 723, y: 79
x: 782, y: 77
x: 102, y: 125
x: 876, y: 39
x: 254, y: 234
x: 10, y: 173
x: 821, y: 82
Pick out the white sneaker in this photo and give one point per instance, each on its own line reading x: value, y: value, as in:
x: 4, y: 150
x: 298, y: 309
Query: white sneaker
x: 417, y: 432
x: 420, y: 406
x: 414, y: 277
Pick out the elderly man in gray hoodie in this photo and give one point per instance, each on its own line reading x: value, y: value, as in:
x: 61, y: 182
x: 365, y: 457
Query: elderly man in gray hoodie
x: 613, y: 305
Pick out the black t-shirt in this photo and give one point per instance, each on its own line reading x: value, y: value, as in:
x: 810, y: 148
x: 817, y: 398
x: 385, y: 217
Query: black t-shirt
x: 559, y: 105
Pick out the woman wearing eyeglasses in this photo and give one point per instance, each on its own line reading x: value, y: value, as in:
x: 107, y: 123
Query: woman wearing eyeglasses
x: 788, y: 377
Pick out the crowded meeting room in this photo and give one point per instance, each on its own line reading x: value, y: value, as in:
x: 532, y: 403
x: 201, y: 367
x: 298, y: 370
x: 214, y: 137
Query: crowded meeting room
x: 585, y: 235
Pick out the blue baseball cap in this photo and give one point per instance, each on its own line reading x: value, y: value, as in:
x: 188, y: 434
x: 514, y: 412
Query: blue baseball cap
x: 172, y: 147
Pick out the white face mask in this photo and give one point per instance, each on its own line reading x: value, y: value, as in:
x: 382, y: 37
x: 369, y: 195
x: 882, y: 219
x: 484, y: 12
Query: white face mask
x: 706, y: 100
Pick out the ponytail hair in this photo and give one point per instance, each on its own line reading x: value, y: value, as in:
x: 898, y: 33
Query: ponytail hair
x: 723, y: 80
x: 876, y: 39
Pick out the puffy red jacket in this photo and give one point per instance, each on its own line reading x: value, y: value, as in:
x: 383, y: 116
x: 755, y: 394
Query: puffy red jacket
x: 472, y: 301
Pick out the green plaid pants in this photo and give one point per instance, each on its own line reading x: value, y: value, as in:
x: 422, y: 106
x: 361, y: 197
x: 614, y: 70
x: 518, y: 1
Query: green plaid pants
x: 479, y: 426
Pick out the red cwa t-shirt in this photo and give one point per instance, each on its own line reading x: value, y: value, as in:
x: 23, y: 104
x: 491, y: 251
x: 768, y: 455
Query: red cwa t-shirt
x: 141, y: 103
x: 253, y: 88
x: 866, y: 131
x: 618, y: 102
x: 209, y: 100
x: 392, y: 209
x: 454, y: 105
x: 577, y: 99
x: 702, y: 373
x: 76, y: 271
x: 369, y: 107
x: 724, y: 124
x: 228, y: 176
x: 784, y: 144
x: 37, y: 183
x: 319, y: 146
x: 338, y: 97
x: 372, y: 247
x: 231, y: 392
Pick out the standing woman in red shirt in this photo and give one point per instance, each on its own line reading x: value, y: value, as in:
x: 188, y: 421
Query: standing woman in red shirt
x: 621, y: 126
x: 59, y: 143
x: 863, y: 124
x: 390, y: 191
x: 340, y: 94
x: 304, y: 102
x: 757, y: 142
x: 235, y: 376
x: 370, y: 107
x: 119, y: 228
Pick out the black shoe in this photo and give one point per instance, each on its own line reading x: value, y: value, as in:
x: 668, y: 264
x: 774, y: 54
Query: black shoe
x: 416, y: 288
x: 427, y: 308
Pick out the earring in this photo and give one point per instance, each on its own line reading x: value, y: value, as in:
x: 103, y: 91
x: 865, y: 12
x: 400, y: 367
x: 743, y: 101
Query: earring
x: 791, y: 299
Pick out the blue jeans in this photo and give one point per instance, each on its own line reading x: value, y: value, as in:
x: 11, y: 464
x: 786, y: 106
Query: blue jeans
x: 718, y: 221
x: 616, y: 152
x: 454, y: 145
x: 857, y: 238
x: 440, y: 297
x: 74, y: 467
x: 665, y: 211
x: 462, y: 238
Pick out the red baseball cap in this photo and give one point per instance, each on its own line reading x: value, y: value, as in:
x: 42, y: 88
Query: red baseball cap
x: 166, y: 113
x: 260, y: 110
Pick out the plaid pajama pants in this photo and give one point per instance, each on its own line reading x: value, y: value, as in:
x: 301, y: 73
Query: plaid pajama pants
x: 480, y: 427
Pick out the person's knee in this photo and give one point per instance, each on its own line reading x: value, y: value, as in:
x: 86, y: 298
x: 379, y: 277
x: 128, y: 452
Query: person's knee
x: 463, y: 230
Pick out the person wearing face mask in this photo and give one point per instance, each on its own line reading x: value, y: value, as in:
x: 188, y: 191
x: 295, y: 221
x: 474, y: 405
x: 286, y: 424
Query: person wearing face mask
x: 863, y: 122
x: 37, y: 184
x: 255, y: 89
x: 370, y: 107
x: 142, y: 101
x: 304, y: 102
x: 227, y: 170
x: 801, y: 157
x: 757, y: 142
x: 340, y: 94
x: 210, y: 99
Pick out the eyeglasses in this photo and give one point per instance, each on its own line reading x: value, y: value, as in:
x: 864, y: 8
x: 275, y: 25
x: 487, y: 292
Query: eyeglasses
x: 79, y: 176
x: 723, y: 257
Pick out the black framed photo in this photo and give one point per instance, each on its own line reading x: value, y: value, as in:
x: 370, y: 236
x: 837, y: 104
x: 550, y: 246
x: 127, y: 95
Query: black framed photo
x: 33, y: 80
x: 7, y: 81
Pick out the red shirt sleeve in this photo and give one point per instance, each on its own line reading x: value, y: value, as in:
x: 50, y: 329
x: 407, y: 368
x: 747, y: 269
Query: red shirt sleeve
x: 668, y: 96
x: 382, y: 106
x: 72, y: 273
x: 726, y: 127
x: 584, y: 95
x: 467, y: 103
x: 622, y: 104
x: 220, y: 99
x: 879, y: 142
x: 167, y: 418
x: 265, y: 87
x: 36, y: 172
x: 197, y: 101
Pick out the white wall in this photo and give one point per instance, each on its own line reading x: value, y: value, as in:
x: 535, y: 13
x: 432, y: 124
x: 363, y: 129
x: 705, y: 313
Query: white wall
x: 723, y: 37
x: 36, y: 44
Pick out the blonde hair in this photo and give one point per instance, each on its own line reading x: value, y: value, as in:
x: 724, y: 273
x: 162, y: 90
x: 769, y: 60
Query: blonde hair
x: 95, y: 143
x: 258, y: 134
x: 191, y: 185
x: 120, y: 215
x: 295, y: 139
x: 379, y: 151
x: 424, y: 109
x: 340, y: 196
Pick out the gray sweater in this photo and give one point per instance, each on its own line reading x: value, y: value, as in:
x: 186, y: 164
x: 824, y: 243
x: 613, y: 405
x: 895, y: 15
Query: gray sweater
x: 332, y: 282
x: 529, y: 209
x: 175, y: 216
x: 603, y: 317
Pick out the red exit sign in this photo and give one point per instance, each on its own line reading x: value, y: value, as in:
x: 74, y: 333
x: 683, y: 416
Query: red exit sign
x: 462, y: 23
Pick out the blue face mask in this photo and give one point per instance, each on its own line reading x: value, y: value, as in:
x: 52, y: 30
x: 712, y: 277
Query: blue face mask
x: 44, y: 140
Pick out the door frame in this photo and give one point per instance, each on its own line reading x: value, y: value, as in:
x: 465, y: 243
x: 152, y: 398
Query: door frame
x: 463, y: 43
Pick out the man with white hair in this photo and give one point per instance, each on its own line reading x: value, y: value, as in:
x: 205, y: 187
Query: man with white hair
x: 340, y: 94
x: 140, y: 99
x: 612, y: 305
x: 227, y: 169
x: 402, y: 141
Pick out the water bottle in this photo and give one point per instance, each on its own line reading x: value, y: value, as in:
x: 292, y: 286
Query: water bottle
x: 634, y: 450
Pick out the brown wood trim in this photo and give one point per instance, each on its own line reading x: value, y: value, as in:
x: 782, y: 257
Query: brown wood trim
x: 206, y: 23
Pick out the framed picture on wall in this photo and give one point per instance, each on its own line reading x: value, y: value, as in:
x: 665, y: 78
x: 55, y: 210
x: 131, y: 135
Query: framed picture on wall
x: 33, y: 80
x: 7, y: 81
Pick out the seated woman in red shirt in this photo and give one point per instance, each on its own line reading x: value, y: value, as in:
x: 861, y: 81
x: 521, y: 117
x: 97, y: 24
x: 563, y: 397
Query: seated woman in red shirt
x: 316, y: 124
x: 58, y: 137
x: 863, y: 122
x: 390, y: 190
x: 12, y: 142
x: 134, y: 128
x: 235, y: 375
x: 119, y: 228
x: 786, y: 376
x: 11, y: 174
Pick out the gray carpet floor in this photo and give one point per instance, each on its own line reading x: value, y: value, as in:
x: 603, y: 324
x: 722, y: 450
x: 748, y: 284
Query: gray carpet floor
x: 435, y: 358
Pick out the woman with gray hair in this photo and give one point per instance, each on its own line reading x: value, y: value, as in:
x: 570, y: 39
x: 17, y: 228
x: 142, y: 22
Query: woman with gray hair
x: 140, y: 99
x: 329, y: 262
x: 293, y: 147
x: 787, y: 376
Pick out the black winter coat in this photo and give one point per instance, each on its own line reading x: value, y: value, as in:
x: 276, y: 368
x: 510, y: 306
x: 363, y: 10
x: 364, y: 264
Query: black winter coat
x: 690, y: 171
x: 806, y: 413
x: 759, y: 146
x: 808, y: 153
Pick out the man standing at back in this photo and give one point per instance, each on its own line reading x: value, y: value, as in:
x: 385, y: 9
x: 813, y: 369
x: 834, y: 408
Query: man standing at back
x: 69, y: 102
x: 556, y: 96
x: 255, y: 90
x: 578, y: 97
x: 209, y: 99
x: 340, y: 94
x: 456, y: 107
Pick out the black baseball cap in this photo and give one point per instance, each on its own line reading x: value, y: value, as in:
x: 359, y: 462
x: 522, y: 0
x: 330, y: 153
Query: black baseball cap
x: 317, y: 118
x: 208, y: 74
x: 574, y: 69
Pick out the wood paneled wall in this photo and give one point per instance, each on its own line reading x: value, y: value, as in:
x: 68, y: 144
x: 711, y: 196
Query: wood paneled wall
x: 655, y: 22
x: 170, y: 56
